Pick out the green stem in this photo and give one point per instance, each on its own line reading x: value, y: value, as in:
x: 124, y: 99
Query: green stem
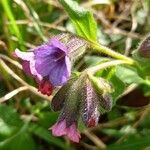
x: 103, y: 49
x: 96, y: 68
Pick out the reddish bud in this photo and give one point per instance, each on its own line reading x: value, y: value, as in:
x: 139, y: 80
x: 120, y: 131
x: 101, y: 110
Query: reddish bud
x: 45, y: 87
x: 92, y: 122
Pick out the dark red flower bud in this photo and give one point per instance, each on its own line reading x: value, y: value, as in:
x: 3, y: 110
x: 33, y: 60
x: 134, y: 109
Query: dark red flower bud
x: 45, y: 87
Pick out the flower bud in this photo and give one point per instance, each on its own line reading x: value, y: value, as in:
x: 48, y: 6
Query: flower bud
x: 68, y: 99
x: 144, y: 48
x: 80, y: 97
x: 58, y: 100
x: 100, y: 84
x: 90, y: 105
x: 105, y: 102
x: 76, y: 47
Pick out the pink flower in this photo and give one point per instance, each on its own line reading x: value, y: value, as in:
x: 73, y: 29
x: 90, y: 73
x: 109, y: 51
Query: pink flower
x: 61, y: 128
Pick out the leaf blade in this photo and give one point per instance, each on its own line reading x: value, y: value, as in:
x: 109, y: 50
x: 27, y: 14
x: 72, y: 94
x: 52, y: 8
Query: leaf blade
x: 82, y: 19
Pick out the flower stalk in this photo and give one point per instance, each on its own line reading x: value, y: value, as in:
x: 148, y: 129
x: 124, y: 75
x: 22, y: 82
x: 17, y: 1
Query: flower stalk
x: 103, y: 49
x: 94, y: 69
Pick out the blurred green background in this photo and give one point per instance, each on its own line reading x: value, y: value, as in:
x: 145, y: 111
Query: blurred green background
x: 25, y: 114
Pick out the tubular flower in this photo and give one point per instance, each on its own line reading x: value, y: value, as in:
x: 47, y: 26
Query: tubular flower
x: 78, y: 98
x: 61, y: 128
x: 51, y: 62
x: 67, y: 100
x: 48, y: 63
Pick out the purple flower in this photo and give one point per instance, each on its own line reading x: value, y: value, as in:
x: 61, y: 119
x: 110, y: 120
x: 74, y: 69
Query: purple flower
x: 48, y: 63
x: 60, y: 129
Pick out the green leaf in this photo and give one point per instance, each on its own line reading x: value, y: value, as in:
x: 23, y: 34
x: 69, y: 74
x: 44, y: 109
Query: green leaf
x: 14, y: 29
x: 136, y: 143
x: 117, y: 84
x: 17, y: 140
x: 82, y: 19
x: 46, y: 119
x: 23, y: 142
x: 9, y: 121
x: 128, y: 75
x: 146, y: 122
x: 9, y: 115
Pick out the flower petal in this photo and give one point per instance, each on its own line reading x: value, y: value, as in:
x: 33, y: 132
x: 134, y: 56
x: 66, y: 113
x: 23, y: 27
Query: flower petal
x: 29, y: 67
x: 24, y: 55
x: 59, y: 129
x: 56, y: 43
x: 68, y: 66
x: 59, y: 74
x: 43, y: 66
x: 44, y: 51
x: 26, y: 67
x: 73, y: 134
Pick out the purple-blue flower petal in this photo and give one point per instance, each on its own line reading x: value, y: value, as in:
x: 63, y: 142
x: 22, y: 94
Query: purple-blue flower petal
x: 43, y: 66
x: 44, y: 51
x: 56, y: 43
x: 59, y: 74
x: 28, y: 56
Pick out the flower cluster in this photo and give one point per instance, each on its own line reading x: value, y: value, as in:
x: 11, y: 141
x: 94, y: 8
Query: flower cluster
x: 78, y: 98
x: 50, y: 64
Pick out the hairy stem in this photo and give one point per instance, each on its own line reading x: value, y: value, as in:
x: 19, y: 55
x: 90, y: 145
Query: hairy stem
x: 96, y: 68
x: 103, y: 49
